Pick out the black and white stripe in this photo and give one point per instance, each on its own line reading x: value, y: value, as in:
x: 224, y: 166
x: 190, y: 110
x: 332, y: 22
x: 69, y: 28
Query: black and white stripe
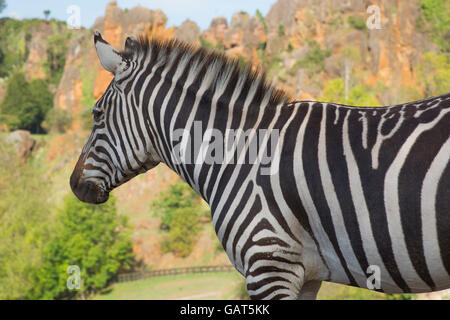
x: 352, y: 187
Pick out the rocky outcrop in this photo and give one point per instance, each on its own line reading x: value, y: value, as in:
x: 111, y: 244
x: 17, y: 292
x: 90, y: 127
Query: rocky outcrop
x: 188, y: 31
x: 278, y: 42
x: 22, y: 142
x: 84, y: 80
x: 216, y: 31
x: 38, y: 46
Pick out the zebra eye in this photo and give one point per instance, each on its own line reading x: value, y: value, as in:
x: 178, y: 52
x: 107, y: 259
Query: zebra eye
x: 97, y: 114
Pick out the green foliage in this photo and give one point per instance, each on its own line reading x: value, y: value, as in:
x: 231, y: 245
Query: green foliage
x: 87, y: 100
x: 402, y: 296
x: 261, y: 53
x: 47, y: 14
x: 25, y: 222
x: 57, y: 120
x: 94, y: 238
x: 281, y: 31
x: 36, y: 247
x: 15, y: 38
x: 290, y: 47
x: 87, y: 88
x: 205, y: 43
x: 180, y: 210
x: 241, y: 61
x: 336, y: 22
x: 359, y: 95
x: 178, y: 196
x: 184, y: 228
x: 314, y: 61
x: 56, y: 56
x: 26, y: 103
x: 434, y: 73
x: 13, y: 48
x: 262, y: 19
x: 437, y: 15
x: 357, y: 22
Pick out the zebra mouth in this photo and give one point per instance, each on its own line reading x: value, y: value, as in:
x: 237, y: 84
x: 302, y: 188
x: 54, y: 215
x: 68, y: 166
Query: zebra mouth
x: 89, y: 192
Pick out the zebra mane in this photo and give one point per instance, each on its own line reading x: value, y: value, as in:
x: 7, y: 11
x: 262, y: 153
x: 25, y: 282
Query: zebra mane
x: 209, y: 65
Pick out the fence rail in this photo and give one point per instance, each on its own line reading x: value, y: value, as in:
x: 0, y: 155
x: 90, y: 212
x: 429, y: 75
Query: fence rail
x: 134, y: 276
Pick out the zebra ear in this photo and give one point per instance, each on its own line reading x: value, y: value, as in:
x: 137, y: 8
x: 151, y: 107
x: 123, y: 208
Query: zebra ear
x: 131, y: 45
x: 109, y: 57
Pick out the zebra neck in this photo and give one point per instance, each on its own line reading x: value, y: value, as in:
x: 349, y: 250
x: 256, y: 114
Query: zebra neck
x: 192, y: 134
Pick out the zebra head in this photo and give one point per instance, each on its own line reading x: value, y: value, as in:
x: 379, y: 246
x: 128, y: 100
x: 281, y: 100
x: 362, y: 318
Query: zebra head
x: 113, y: 153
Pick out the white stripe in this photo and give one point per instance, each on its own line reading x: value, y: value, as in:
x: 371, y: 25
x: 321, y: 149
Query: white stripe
x: 335, y: 208
x: 362, y: 212
x: 327, y: 250
x: 428, y: 207
x: 392, y: 206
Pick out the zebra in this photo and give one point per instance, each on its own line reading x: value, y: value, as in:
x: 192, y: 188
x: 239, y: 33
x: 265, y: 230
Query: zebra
x: 353, y: 190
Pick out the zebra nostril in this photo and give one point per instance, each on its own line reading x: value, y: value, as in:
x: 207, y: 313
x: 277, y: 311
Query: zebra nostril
x: 89, y: 192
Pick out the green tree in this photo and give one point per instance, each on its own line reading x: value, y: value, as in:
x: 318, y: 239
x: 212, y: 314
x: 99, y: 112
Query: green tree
x: 56, y: 56
x: 178, y: 196
x: 181, y: 211
x: 47, y: 14
x: 437, y: 15
x: 434, y: 73
x: 92, y: 237
x: 184, y: 228
x: 314, y: 61
x: 350, y: 56
x: 26, y: 103
x: 358, y: 95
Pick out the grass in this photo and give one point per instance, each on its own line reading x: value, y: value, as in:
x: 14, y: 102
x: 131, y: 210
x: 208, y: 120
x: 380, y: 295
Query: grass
x: 214, y: 286
x: 334, y: 291
x: 211, y: 286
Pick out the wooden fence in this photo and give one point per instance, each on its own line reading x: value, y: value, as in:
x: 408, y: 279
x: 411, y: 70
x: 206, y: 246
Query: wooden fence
x: 134, y: 276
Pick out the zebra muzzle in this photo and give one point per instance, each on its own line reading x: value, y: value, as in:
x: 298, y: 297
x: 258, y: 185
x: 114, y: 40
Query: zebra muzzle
x: 88, y: 191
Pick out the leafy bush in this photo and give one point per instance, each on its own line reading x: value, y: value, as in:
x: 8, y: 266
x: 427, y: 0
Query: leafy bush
x: 402, y: 296
x: 25, y: 223
x: 94, y: 238
x: 357, y: 22
x: 434, y: 73
x: 178, y: 196
x: 314, y: 60
x: 56, y: 56
x: 180, y: 210
x: 281, y: 31
x: 57, y: 120
x: 437, y: 15
x: 184, y: 228
x: 26, y: 103
x: 358, y: 95
x: 205, y: 43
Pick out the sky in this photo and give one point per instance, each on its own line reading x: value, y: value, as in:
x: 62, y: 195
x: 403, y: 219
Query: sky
x: 200, y: 11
